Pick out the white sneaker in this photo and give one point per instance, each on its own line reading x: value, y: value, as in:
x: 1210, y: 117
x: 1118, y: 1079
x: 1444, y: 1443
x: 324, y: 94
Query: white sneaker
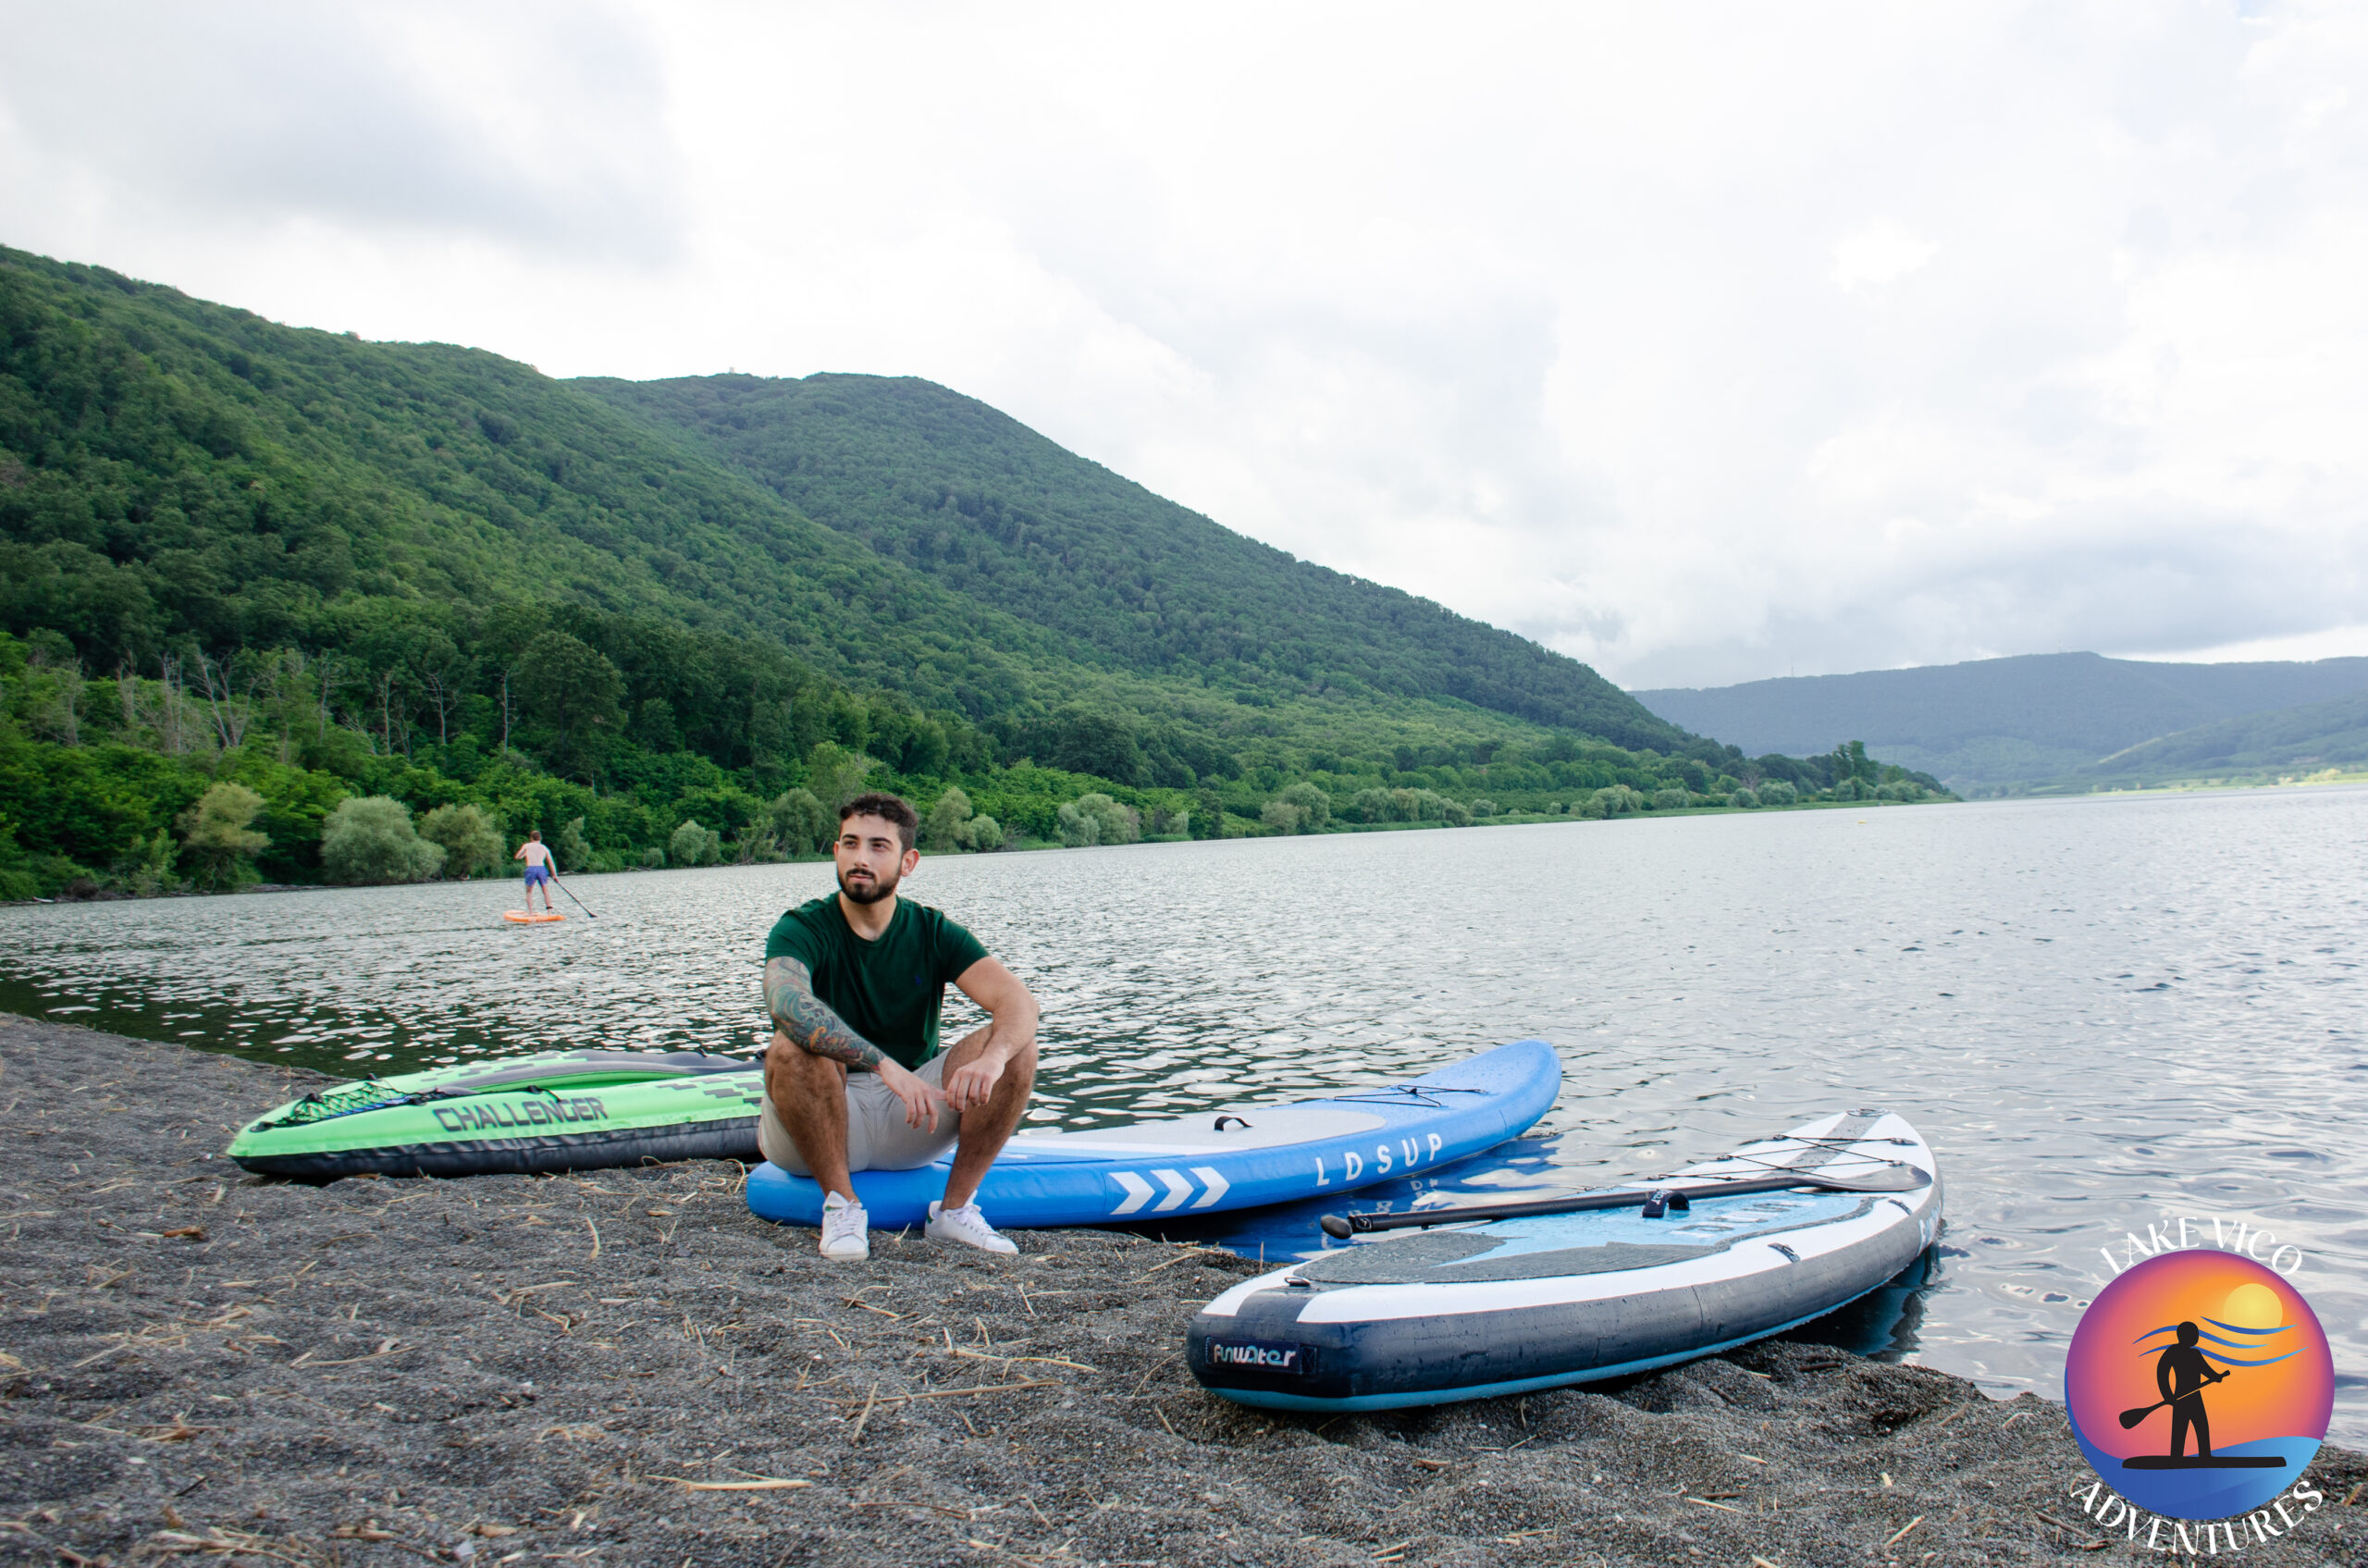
x: 846, y: 1231
x: 968, y: 1226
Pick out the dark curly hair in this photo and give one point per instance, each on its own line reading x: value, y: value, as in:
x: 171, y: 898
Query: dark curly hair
x: 888, y: 809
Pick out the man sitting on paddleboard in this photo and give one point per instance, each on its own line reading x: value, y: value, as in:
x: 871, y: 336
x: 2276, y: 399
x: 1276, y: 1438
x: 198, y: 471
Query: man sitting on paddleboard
x: 539, y: 868
x: 854, y: 1080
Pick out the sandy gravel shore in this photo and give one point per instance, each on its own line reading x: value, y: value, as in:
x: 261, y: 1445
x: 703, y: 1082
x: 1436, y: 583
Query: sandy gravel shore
x: 627, y: 1368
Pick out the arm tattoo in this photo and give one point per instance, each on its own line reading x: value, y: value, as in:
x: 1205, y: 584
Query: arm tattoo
x: 808, y: 1022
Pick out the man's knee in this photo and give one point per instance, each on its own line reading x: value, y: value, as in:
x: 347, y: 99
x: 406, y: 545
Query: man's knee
x: 1017, y: 1083
x: 803, y: 1071
x: 1022, y: 1067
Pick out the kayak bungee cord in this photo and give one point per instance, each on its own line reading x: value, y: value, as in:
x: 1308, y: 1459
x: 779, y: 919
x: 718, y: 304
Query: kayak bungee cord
x: 417, y: 1097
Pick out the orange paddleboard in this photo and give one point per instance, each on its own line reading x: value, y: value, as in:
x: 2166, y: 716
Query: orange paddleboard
x: 519, y: 918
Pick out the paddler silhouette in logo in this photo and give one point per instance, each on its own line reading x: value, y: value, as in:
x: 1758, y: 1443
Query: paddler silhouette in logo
x: 2175, y: 1331
x: 2181, y: 1372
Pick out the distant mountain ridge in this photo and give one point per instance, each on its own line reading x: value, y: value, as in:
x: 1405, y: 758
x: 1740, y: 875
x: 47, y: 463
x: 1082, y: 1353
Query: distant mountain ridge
x: 2003, y: 721
x: 2309, y: 738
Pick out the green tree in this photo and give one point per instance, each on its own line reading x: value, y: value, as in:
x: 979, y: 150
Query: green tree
x: 147, y: 869
x: 947, y: 826
x: 1097, y: 819
x: 1092, y: 741
x: 571, y: 848
x: 1849, y: 760
x: 1616, y: 800
x: 1417, y: 805
x: 799, y: 821
x: 472, y: 845
x: 1080, y: 830
x: 217, y: 840
x: 569, y: 689
x: 370, y: 839
x: 1314, y: 805
x: 691, y: 845
x: 837, y: 775
x: 1208, y: 815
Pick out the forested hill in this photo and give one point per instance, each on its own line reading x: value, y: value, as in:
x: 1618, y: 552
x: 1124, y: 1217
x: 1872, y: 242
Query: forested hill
x: 253, y: 574
x: 952, y: 487
x: 193, y: 470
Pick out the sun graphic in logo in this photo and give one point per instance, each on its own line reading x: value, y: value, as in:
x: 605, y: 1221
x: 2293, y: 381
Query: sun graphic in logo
x: 2198, y: 1384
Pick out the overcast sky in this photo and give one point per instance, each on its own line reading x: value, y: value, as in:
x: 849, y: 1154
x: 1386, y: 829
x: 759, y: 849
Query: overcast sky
x: 1702, y: 342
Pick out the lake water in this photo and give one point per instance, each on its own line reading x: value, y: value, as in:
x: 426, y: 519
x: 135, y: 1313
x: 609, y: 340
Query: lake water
x: 2100, y: 1012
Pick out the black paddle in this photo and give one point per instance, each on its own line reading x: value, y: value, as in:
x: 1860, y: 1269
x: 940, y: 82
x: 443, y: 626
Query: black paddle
x: 1655, y: 1202
x: 2132, y: 1417
x: 572, y: 897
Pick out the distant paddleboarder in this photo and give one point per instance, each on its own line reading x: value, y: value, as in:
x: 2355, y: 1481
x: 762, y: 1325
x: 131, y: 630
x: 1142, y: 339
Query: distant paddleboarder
x: 541, y: 869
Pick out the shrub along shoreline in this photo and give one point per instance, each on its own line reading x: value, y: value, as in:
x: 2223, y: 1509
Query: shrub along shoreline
x: 138, y: 786
x: 425, y: 850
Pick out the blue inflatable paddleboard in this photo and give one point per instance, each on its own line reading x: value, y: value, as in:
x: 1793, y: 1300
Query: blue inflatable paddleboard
x: 1203, y: 1164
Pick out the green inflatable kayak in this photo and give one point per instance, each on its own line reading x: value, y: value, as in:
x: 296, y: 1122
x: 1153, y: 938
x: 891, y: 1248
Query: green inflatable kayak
x: 559, y: 1110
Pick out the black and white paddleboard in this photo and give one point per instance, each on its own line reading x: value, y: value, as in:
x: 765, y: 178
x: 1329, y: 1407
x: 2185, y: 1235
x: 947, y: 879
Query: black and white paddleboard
x: 1593, y: 1285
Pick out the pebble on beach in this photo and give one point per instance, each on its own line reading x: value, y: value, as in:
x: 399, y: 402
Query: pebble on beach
x: 624, y: 1366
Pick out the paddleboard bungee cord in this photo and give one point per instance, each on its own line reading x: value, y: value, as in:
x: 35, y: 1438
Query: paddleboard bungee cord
x: 1654, y: 1202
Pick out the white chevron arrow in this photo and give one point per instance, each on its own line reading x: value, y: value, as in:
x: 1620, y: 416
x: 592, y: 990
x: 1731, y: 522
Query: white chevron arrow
x: 1138, y: 1191
x: 1178, y: 1190
x: 1216, y: 1184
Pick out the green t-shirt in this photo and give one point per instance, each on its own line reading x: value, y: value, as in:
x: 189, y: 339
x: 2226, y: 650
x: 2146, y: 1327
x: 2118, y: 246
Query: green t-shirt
x: 889, y: 991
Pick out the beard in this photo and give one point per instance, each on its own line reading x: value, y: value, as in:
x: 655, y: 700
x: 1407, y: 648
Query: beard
x: 868, y: 890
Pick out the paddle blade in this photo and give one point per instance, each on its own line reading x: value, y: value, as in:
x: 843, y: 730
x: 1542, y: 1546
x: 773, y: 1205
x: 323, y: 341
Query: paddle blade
x: 2132, y: 1417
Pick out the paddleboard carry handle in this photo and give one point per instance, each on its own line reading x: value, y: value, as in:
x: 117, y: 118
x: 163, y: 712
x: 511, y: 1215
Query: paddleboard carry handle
x: 1229, y: 1116
x: 1905, y: 1178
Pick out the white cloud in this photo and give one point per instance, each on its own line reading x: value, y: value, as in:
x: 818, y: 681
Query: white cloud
x: 1877, y: 253
x: 2334, y: 642
x: 1702, y: 344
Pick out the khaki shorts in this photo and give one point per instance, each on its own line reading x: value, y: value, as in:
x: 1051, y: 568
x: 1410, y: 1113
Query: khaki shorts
x: 878, y: 1137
